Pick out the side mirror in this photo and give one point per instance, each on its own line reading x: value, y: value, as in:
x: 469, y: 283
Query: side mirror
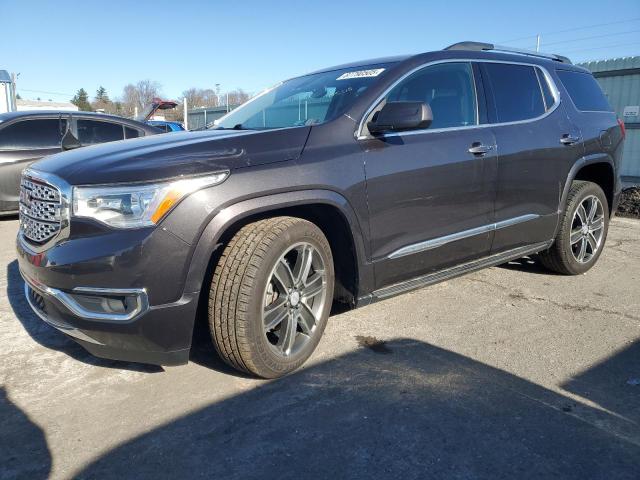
x: 401, y: 116
x: 69, y: 142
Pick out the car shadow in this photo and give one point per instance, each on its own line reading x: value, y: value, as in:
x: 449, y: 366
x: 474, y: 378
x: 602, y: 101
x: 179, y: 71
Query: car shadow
x: 528, y: 264
x: 409, y: 410
x: 24, y: 452
x: 613, y: 383
x: 49, y: 337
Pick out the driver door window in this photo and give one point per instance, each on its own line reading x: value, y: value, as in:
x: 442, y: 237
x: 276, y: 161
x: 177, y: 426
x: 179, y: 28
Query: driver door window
x: 449, y: 90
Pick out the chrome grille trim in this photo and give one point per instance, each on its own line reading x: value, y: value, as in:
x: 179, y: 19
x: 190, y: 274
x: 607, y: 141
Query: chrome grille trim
x: 44, y: 209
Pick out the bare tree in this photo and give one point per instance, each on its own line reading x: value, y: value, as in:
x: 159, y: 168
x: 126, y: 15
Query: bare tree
x: 237, y: 97
x: 200, y: 97
x: 139, y: 95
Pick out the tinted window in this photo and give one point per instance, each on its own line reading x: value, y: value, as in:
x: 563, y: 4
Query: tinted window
x: 546, y: 90
x: 131, y: 132
x: 584, y: 91
x: 32, y: 134
x: 93, y: 131
x: 516, y: 91
x: 447, y: 88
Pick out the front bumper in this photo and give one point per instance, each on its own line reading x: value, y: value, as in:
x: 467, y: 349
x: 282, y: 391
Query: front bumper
x: 71, y: 289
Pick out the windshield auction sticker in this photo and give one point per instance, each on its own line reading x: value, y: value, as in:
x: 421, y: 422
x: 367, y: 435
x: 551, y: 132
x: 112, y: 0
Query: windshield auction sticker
x: 361, y: 74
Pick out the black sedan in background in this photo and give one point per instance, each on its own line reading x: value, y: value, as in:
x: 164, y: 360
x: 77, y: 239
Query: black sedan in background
x: 30, y: 135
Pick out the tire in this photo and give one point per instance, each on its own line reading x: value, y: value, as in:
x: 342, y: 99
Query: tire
x: 564, y: 256
x: 251, y: 289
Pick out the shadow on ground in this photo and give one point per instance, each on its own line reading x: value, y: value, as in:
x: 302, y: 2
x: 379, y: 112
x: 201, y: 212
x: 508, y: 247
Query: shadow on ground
x: 410, y: 411
x: 23, y: 448
x: 614, y: 383
x: 49, y: 337
x: 528, y: 264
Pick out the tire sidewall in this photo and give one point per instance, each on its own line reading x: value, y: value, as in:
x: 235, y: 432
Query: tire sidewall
x: 269, y: 361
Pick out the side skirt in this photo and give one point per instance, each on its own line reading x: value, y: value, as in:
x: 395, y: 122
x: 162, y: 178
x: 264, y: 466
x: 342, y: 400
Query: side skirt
x: 458, y: 270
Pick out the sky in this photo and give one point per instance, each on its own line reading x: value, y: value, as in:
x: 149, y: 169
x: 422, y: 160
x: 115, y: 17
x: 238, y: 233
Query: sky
x: 60, y: 46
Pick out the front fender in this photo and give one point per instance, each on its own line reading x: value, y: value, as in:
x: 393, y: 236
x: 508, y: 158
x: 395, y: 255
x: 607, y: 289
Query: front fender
x: 210, y: 239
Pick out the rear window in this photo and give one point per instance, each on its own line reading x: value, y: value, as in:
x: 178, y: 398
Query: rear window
x: 516, y: 91
x: 584, y: 91
x: 32, y: 134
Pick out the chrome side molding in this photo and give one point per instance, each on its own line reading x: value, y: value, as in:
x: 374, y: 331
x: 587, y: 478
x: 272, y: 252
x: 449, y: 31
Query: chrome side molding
x: 440, y: 241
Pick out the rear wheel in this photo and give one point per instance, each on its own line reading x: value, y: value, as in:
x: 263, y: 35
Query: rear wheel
x: 271, y: 295
x: 582, y: 233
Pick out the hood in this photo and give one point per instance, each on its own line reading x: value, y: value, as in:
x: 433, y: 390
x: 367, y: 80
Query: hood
x: 167, y: 156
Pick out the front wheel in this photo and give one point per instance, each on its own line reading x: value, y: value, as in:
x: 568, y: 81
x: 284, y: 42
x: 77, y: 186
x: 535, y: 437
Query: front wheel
x: 582, y: 233
x: 271, y: 296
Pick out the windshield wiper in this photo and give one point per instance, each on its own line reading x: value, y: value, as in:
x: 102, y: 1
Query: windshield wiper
x: 235, y: 127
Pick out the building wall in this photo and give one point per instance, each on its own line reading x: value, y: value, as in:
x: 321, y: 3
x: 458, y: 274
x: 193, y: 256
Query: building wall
x: 40, y: 105
x: 620, y: 80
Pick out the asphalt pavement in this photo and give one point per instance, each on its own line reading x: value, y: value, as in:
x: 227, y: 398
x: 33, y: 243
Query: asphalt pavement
x: 510, y: 372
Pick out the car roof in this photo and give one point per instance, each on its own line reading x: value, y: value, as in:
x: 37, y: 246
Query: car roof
x: 4, y: 117
x: 364, y: 63
x: 497, y: 54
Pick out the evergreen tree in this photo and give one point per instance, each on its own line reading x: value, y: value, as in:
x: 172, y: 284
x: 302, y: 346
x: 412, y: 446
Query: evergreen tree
x: 101, y: 95
x: 81, y: 100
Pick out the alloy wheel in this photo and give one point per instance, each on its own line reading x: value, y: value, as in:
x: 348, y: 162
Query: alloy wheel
x: 294, y: 299
x: 587, y: 229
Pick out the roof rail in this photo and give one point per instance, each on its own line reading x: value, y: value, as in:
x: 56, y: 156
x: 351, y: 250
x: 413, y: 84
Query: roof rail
x: 480, y: 46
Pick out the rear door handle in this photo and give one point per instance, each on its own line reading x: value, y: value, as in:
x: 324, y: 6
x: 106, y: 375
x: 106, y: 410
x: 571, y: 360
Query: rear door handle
x: 569, y: 139
x: 479, y: 149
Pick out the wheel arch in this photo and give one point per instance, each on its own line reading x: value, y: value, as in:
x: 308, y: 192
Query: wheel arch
x: 327, y: 209
x: 599, y: 169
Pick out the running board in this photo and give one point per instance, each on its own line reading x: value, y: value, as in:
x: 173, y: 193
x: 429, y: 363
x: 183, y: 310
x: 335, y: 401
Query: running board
x: 442, y: 275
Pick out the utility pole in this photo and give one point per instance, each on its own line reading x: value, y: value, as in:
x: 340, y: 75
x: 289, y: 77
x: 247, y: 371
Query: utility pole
x: 186, y: 114
x: 13, y: 91
x: 538, y: 43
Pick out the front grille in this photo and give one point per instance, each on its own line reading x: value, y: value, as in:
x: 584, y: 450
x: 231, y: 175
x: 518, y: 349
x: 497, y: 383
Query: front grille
x: 40, y: 210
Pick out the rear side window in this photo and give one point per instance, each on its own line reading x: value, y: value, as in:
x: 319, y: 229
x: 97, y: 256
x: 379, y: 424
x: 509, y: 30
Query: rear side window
x: 447, y: 88
x: 584, y: 91
x: 131, y: 132
x: 91, y: 132
x: 32, y: 134
x: 516, y: 91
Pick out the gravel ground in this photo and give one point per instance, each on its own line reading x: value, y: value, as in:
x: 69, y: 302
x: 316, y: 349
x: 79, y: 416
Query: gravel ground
x: 510, y: 372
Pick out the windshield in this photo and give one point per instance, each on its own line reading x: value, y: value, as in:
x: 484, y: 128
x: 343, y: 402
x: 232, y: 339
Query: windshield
x: 308, y: 100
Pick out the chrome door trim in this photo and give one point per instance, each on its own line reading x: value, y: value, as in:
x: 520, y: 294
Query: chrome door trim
x: 440, y: 241
x: 552, y: 87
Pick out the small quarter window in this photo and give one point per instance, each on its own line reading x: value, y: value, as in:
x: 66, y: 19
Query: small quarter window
x: 584, y: 91
x: 447, y: 88
x: 91, y: 132
x: 546, y: 90
x: 131, y: 132
x: 516, y: 91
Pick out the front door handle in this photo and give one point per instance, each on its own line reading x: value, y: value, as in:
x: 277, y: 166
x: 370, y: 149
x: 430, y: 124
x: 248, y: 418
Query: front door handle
x: 569, y: 139
x: 479, y: 149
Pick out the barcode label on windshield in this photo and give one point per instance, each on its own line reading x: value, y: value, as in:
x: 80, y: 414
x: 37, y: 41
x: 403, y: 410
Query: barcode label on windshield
x: 361, y: 74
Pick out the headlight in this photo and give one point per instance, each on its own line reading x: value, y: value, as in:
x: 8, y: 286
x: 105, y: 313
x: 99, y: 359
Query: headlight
x: 134, y: 206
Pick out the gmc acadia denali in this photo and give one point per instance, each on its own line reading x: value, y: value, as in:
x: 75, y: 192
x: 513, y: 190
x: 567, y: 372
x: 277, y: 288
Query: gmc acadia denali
x: 350, y: 184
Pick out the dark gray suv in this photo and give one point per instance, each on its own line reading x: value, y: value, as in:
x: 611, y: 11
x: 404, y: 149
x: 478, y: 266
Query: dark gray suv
x: 347, y: 185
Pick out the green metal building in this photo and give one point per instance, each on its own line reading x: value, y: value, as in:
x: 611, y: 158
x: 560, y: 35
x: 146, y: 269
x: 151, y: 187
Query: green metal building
x: 620, y: 80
